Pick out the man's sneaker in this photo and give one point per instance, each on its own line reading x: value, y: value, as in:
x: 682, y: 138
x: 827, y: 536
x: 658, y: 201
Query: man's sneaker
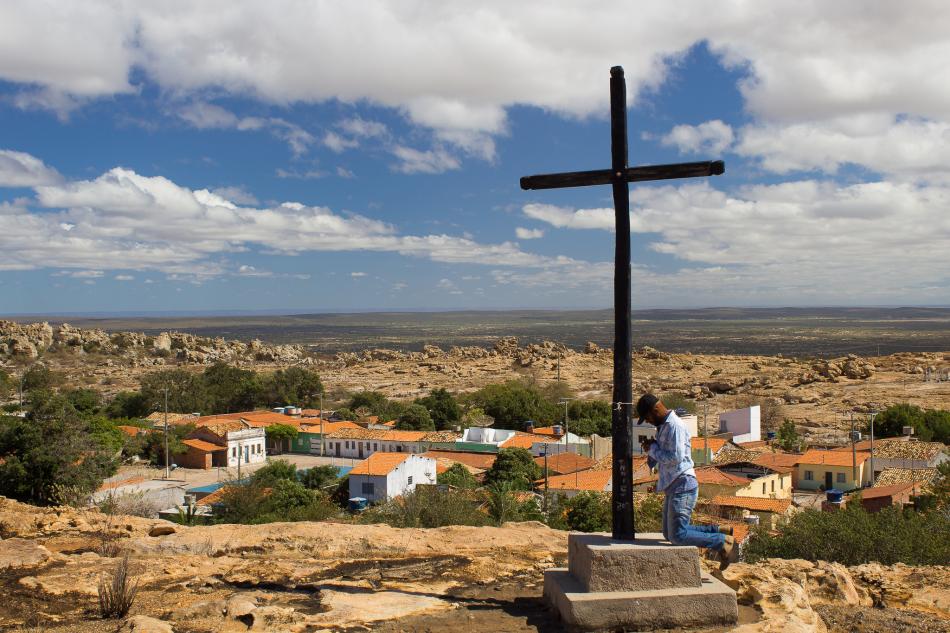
x: 728, y: 553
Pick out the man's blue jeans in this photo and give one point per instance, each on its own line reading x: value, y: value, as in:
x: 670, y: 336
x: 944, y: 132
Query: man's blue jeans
x: 677, y: 511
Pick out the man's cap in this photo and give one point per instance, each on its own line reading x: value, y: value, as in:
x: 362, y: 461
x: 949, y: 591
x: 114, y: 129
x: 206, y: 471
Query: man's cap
x: 644, y: 405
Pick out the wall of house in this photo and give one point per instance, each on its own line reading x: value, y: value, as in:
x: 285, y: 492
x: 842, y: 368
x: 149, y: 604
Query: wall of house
x: 379, y: 483
x: 842, y: 477
x: 743, y: 424
x: 253, y: 440
x: 193, y: 458
x: 708, y: 491
x: 770, y: 486
x: 406, y: 476
x: 361, y: 449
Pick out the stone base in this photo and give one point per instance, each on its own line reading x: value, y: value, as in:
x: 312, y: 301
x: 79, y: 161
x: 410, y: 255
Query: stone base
x: 712, y: 603
x: 601, y: 563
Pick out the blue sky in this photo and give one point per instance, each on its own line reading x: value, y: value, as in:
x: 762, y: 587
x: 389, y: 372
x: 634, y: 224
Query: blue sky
x: 311, y: 156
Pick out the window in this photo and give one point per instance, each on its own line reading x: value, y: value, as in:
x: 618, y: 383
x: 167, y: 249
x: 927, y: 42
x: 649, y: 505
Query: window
x: 369, y: 488
x: 375, y: 446
x: 773, y: 485
x: 809, y: 475
x: 781, y: 484
x: 234, y: 451
x: 763, y: 487
x: 410, y: 480
x: 841, y: 478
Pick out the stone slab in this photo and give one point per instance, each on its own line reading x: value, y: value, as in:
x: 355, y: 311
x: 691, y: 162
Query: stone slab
x: 711, y: 604
x: 601, y: 563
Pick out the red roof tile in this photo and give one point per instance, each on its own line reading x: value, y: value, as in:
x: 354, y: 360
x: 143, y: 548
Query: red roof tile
x: 756, y: 504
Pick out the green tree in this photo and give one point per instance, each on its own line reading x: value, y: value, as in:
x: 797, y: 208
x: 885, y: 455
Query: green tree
x: 320, y: 477
x: 153, y: 445
x: 85, y: 400
x: 590, y: 416
x: 344, y: 413
x: 52, y: 455
x: 275, y: 470
x: 7, y: 384
x: 374, y: 403
x: 513, y: 403
x: 476, y: 416
x: 514, y: 466
x: 787, y: 437
x: 427, y: 507
x: 294, y: 385
x: 128, y: 404
x: 281, y: 433
x: 443, y: 408
x: 232, y: 388
x: 415, y: 418
x: 187, y: 392
x: 504, y: 505
x: 589, y: 512
x: 39, y: 377
x: 459, y: 476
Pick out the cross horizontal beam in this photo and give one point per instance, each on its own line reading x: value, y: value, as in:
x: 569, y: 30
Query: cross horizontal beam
x: 630, y: 174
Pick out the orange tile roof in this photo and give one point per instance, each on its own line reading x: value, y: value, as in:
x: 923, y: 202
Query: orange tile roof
x: 379, y: 463
x: 481, y: 461
x: 131, y: 431
x: 712, y: 475
x: 898, y: 448
x: 756, y: 504
x: 546, y: 430
x: 213, y: 497
x: 714, y: 443
x: 308, y: 426
x: 564, y: 463
x: 525, y: 440
x: 779, y: 462
x: 915, y: 487
x: 222, y: 427
x: 201, y: 445
x: 267, y: 418
x: 596, y: 480
x: 378, y: 434
x: 816, y: 457
x: 891, y: 476
x: 158, y: 417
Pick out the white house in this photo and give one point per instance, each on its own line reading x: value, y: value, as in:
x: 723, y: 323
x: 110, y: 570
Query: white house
x: 361, y: 443
x: 487, y: 435
x: 743, y: 424
x: 382, y: 476
x: 242, y: 442
x: 648, y: 431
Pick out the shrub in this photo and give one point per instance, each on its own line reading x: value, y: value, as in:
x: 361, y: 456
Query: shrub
x: 459, y: 476
x: 788, y: 438
x: 589, y: 512
x: 853, y: 536
x: 514, y: 466
x: 675, y: 400
x: 443, y: 409
x: 415, y: 418
x: 514, y: 402
x: 427, y: 507
x: 504, y: 505
x: 118, y: 593
x: 273, y: 472
x: 929, y: 425
x: 284, y: 500
x: 320, y: 477
x: 135, y: 503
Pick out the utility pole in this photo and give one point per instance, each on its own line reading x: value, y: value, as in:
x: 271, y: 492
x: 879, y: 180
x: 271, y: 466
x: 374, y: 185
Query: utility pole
x: 705, y: 434
x: 565, y: 401
x: 167, y: 470
x: 854, y: 451
x: 873, y: 414
x: 545, y: 477
x: 322, y: 437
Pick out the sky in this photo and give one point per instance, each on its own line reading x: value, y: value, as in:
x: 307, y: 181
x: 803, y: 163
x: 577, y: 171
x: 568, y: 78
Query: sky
x: 331, y: 156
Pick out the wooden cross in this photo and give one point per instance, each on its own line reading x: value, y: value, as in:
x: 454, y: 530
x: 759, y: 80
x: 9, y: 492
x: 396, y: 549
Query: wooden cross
x: 618, y: 176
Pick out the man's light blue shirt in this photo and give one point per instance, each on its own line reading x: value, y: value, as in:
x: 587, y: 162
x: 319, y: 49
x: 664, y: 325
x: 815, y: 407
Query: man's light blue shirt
x: 672, y: 453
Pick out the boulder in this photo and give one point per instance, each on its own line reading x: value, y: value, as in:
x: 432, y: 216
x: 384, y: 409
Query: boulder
x: 145, y: 624
x: 162, y: 529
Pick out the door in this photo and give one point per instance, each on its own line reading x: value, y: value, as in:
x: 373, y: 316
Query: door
x: 247, y: 453
x: 337, y: 449
x: 829, y: 484
x: 361, y: 450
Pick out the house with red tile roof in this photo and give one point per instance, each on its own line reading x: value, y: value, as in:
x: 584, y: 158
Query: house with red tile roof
x: 902, y: 494
x: 385, y: 475
x: 242, y: 443
x: 823, y: 470
x: 563, y: 463
x: 770, y: 511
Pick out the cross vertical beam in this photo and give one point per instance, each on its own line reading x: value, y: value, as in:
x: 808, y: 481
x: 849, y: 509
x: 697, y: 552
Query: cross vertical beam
x: 621, y: 437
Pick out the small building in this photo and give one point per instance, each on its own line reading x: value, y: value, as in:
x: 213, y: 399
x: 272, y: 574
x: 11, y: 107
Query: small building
x: 781, y: 462
x: 563, y: 463
x: 743, y: 424
x: 901, y: 452
x: 714, y: 482
x: 384, y: 475
x: 902, y: 494
x: 823, y: 470
x: 200, y: 454
x: 770, y: 511
x: 704, y: 450
x: 360, y: 443
x: 763, y: 481
x: 244, y: 444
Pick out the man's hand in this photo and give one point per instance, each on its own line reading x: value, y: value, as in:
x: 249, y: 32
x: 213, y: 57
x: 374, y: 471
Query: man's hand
x: 647, y: 443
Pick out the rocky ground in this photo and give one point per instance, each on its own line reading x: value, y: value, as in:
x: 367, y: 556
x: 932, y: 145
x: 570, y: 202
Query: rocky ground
x: 334, y: 576
x: 818, y: 394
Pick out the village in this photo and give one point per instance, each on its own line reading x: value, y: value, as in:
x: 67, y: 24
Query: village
x: 744, y: 478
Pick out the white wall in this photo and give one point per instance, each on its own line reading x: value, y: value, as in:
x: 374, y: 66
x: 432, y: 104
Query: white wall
x: 250, y: 443
x: 744, y: 424
x: 422, y: 470
x: 351, y: 448
x: 486, y: 435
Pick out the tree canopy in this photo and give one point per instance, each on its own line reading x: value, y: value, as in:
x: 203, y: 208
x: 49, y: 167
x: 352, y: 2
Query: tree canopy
x: 514, y: 466
x: 415, y: 418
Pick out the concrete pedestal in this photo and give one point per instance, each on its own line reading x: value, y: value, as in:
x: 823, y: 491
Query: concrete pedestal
x: 636, y: 585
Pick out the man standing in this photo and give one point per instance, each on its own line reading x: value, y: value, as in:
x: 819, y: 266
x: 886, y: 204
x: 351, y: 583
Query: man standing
x: 671, y: 452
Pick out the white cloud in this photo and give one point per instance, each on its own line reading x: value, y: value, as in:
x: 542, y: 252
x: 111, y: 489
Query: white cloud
x: 528, y: 234
x: 124, y: 278
x: 356, y: 274
x: 448, y: 286
x: 413, y: 161
x: 310, y: 174
x: 363, y: 128
x: 204, y: 115
x: 338, y: 143
x: 18, y: 169
x: 566, y: 218
x: 343, y: 172
x: 709, y: 137
x: 238, y: 195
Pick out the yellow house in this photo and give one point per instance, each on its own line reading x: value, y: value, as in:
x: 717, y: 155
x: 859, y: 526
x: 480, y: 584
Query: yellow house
x: 823, y: 470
